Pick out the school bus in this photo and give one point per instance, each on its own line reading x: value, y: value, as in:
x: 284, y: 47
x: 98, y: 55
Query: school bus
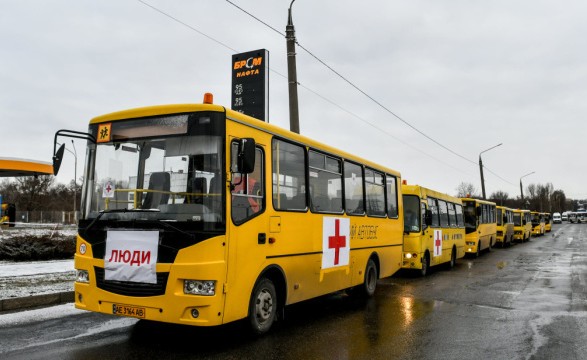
x: 480, y: 225
x: 196, y: 214
x: 434, y: 229
x: 537, y: 223
x: 505, y: 226
x: 547, y: 222
x: 522, y: 225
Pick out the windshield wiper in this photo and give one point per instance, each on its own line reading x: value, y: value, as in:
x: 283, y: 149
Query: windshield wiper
x: 125, y: 210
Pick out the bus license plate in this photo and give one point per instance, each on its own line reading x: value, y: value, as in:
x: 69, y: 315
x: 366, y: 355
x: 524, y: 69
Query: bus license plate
x: 125, y: 310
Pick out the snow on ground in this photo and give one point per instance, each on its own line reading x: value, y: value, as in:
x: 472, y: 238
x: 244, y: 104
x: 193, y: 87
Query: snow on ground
x: 20, y: 279
x: 37, y: 230
x: 53, y: 312
x: 10, y: 268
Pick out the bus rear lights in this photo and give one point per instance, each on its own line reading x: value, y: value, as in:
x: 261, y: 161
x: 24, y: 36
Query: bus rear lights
x: 410, y: 256
x: 82, y: 276
x: 195, y: 313
x: 199, y: 287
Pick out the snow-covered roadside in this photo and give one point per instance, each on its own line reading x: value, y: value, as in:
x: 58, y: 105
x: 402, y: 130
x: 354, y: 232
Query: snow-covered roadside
x: 21, y: 279
x: 11, y: 268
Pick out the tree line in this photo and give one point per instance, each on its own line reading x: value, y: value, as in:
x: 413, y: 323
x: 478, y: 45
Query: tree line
x: 40, y: 193
x: 537, y: 197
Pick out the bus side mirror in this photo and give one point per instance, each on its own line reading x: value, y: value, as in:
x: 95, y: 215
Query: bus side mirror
x: 505, y: 219
x: 428, y: 217
x: 246, y: 156
x: 478, y: 211
x: 57, y: 157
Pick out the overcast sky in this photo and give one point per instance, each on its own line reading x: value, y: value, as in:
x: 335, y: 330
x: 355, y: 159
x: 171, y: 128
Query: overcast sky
x: 469, y: 74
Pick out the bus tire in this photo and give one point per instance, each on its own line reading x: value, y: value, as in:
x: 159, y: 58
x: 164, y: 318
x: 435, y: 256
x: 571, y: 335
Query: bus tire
x: 425, y: 265
x: 453, y: 259
x: 370, y: 282
x: 490, y: 246
x: 478, y: 249
x: 263, y: 306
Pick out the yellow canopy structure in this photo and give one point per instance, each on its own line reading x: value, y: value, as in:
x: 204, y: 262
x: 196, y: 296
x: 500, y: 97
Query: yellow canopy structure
x: 10, y: 167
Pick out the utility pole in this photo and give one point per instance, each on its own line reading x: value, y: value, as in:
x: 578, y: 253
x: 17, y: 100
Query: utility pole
x: 481, y: 169
x: 292, y: 78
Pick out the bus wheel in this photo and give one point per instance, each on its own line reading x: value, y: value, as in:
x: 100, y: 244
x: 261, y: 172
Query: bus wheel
x: 425, y: 265
x: 490, y: 246
x: 370, y: 283
x: 478, y: 250
x: 263, y: 306
x: 453, y: 259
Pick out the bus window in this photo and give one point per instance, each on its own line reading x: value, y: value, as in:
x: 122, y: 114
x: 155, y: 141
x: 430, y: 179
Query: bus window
x: 375, y: 192
x: 289, y: 176
x: 443, y: 213
x: 452, y: 215
x: 247, y: 195
x: 353, y: 189
x: 325, y: 183
x: 459, y: 213
x: 434, y: 209
x: 391, y: 184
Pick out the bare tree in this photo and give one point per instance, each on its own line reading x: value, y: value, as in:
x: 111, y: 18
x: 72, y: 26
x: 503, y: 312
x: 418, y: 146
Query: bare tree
x: 499, y: 197
x: 467, y: 190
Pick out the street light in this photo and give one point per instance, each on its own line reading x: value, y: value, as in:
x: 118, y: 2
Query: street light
x: 481, y: 168
x: 522, y: 191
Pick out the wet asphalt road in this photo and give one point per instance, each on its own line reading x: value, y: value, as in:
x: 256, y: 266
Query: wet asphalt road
x: 524, y: 302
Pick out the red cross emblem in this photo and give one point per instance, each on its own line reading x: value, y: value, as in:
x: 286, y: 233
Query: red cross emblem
x: 337, y: 241
x: 108, y: 188
x: 437, y: 242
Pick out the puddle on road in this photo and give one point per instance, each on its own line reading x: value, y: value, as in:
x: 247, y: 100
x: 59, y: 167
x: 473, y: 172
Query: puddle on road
x: 502, y: 264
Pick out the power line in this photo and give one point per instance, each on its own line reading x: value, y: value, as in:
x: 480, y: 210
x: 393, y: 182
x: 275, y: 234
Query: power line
x: 367, y: 95
x: 316, y: 93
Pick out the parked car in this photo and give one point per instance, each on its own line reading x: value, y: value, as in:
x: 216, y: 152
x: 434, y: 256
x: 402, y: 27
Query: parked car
x: 556, y: 218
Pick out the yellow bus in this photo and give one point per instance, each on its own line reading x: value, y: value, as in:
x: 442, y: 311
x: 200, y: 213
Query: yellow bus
x: 547, y: 222
x: 480, y: 225
x: 537, y: 223
x: 522, y: 225
x: 434, y: 229
x: 196, y: 214
x: 505, y: 226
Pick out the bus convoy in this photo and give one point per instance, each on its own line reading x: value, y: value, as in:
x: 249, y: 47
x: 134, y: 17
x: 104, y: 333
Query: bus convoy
x: 196, y: 214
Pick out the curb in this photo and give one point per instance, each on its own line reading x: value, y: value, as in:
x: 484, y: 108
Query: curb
x: 36, y: 301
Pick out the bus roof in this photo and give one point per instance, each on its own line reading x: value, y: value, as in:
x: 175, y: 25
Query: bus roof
x: 422, y: 191
x: 238, y: 117
x: 10, y: 167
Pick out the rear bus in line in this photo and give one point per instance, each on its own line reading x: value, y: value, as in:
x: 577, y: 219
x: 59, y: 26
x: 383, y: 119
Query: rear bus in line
x: 199, y: 215
x: 547, y: 222
x: 537, y: 223
x: 505, y: 226
x: 480, y: 225
x: 434, y: 229
x: 522, y: 225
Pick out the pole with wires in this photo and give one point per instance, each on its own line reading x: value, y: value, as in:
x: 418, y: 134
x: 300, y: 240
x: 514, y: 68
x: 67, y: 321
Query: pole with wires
x: 292, y: 78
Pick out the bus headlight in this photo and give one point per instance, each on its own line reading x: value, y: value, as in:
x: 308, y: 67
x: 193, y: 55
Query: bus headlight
x: 199, y: 287
x: 82, y: 276
x: 408, y: 256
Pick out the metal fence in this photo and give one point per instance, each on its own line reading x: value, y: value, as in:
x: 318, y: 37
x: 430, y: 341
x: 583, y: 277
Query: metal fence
x: 53, y: 217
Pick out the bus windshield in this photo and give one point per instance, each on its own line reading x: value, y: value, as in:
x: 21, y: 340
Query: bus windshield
x: 500, y: 216
x: 175, y: 178
x: 411, y: 213
x: 470, y: 216
x: 517, y: 219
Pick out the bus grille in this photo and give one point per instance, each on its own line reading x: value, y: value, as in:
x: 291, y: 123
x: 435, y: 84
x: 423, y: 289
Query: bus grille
x: 131, y: 288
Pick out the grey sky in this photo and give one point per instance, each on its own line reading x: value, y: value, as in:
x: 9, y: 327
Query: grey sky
x: 471, y: 74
